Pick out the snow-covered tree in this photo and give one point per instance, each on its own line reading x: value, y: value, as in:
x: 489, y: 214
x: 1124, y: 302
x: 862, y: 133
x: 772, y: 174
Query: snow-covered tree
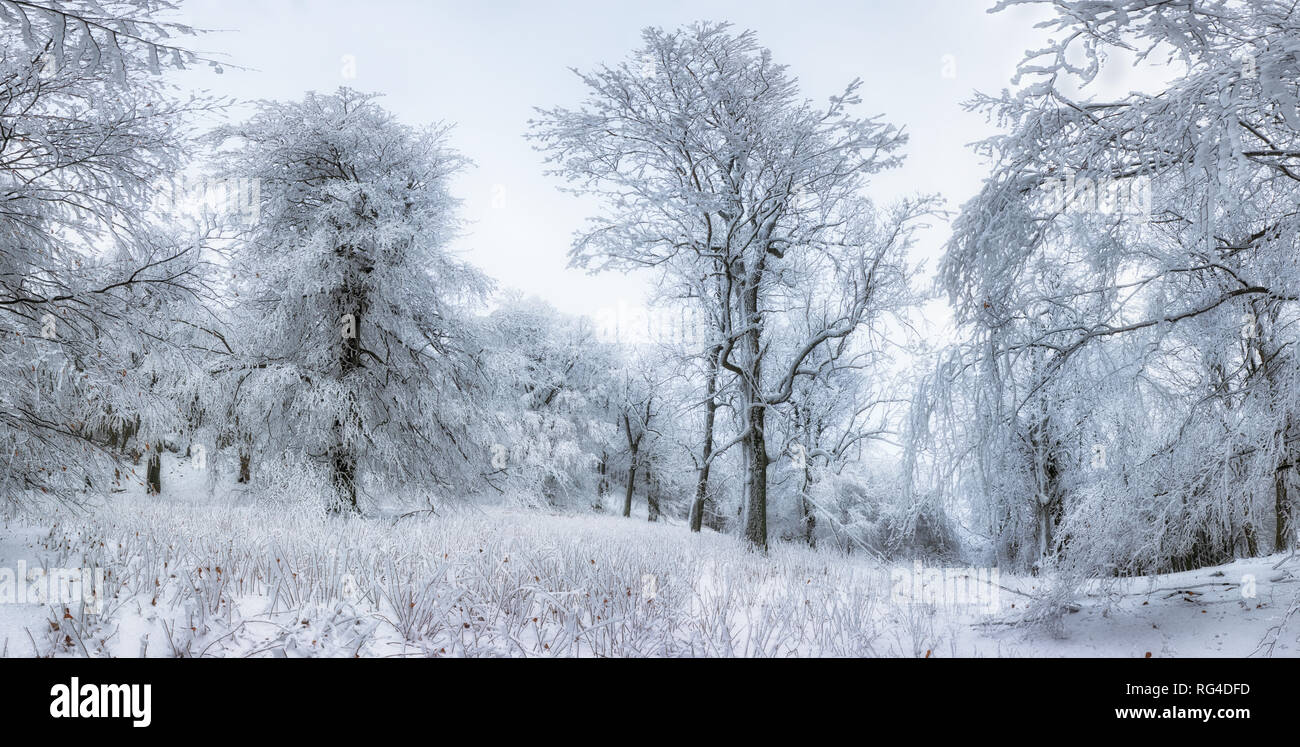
x: 1127, y: 279
x: 89, y: 284
x: 352, y: 309
x: 553, y: 388
x: 707, y: 158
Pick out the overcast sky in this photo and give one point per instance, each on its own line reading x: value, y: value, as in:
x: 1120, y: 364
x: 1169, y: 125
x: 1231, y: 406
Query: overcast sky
x: 485, y: 65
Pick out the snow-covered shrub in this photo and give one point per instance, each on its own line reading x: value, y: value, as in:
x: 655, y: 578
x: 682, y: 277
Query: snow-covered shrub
x: 869, y: 511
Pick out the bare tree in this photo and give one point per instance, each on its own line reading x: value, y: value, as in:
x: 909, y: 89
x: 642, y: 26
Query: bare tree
x: 708, y: 160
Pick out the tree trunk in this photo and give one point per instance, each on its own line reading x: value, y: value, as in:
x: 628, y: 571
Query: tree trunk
x: 1283, y: 526
x: 634, y: 450
x: 631, y: 484
x: 754, y: 445
x: 809, y: 523
x: 754, y: 450
x: 245, y: 466
x: 811, y: 434
x: 344, y: 475
x: 652, y: 494
x: 153, y: 474
x: 710, y: 415
x: 809, y: 519
x: 343, y: 461
x: 602, y: 469
x: 1282, y: 509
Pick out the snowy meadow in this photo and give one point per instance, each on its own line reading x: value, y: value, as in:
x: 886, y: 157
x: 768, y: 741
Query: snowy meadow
x: 193, y: 574
x: 735, y: 348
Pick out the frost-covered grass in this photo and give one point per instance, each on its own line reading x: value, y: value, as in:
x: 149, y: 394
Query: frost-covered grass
x: 215, y: 572
x: 189, y: 579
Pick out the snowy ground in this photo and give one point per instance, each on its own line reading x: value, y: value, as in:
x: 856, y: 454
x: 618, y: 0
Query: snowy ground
x: 190, y: 575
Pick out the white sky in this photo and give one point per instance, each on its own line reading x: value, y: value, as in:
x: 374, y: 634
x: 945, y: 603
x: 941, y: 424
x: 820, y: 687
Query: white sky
x: 485, y: 65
